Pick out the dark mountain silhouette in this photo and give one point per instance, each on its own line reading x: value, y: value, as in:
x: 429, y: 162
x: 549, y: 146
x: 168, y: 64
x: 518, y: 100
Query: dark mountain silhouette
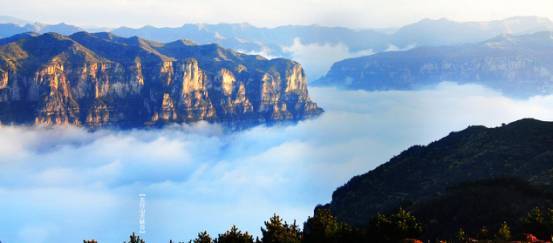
x: 476, y: 177
x: 475, y: 204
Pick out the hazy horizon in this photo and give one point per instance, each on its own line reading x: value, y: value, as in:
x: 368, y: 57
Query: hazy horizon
x: 385, y: 29
x: 355, y: 14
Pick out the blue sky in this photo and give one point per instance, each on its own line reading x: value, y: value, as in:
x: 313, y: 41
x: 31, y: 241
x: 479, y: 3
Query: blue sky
x: 66, y: 185
x: 352, y: 13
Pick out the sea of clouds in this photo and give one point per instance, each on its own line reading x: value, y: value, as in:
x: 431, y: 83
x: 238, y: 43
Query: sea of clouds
x: 317, y: 58
x: 69, y: 184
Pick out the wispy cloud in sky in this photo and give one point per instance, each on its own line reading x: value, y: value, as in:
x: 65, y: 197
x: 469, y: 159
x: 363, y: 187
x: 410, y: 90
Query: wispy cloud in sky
x: 66, y: 185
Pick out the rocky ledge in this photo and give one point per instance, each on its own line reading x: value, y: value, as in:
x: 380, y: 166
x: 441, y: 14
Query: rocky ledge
x: 98, y: 80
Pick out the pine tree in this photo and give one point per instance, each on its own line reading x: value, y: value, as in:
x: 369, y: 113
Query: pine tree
x: 484, y: 234
x: 134, y: 238
x: 534, y: 223
x: 322, y: 227
x: 203, y: 237
x: 277, y: 230
x: 504, y: 232
x: 395, y: 227
x: 234, y: 236
x: 461, y: 236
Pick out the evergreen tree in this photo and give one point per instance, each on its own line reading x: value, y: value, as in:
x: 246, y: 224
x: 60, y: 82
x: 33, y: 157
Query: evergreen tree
x: 395, y: 227
x: 134, y: 238
x: 322, y: 227
x: 461, y: 236
x: 538, y: 223
x: 504, y: 232
x: 203, y: 237
x: 234, y: 236
x: 277, y: 230
x: 535, y: 223
x: 484, y: 234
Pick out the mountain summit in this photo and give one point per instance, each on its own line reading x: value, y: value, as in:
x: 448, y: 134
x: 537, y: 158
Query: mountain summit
x: 454, y: 173
x: 101, y: 79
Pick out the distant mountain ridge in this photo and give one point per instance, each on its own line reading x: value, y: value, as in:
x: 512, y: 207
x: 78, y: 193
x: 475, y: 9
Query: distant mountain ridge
x: 8, y: 28
x: 249, y: 38
x: 101, y: 79
x: 518, y: 65
x: 437, y: 32
x: 277, y: 41
x: 423, y: 33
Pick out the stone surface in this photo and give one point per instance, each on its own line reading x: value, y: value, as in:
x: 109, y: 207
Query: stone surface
x: 101, y: 79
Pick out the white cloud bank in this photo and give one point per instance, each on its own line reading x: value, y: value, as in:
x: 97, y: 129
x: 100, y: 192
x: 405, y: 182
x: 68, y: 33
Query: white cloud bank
x: 317, y: 58
x: 66, y: 185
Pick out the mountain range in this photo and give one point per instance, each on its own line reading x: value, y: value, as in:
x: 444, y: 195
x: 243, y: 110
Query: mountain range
x: 291, y: 41
x: 251, y: 38
x: 101, y: 79
x: 518, y: 65
x: 472, y: 178
x: 423, y: 33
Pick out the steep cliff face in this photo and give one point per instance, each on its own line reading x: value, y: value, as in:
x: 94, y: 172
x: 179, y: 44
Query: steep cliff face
x: 103, y: 80
x: 515, y: 65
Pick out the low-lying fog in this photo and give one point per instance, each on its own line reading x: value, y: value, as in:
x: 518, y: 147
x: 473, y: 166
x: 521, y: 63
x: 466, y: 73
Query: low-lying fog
x: 66, y: 185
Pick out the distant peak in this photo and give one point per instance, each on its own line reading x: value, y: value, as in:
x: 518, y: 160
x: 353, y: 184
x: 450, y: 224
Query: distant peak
x: 430, y: 20
x: 537, y: 37
x: 103, y: 35
x: 527, y: 122
x: 54, y: 35
x: 184, y: 42
x: 529, y: 18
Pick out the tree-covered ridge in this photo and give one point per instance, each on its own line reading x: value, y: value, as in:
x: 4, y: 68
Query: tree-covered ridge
x: 322, y: 227
x: 522, y: 150
x: 398, y: 226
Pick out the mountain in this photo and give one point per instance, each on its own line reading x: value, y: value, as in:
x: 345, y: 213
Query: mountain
x: 9, y: 28
x: 274, y: 41
x: 467, y: 179
x: 61, y: 28
x: 427, y: 32
x: 437, y: 32
x: 101, y: 79
x: 317, y: 47
x: 517, y: 65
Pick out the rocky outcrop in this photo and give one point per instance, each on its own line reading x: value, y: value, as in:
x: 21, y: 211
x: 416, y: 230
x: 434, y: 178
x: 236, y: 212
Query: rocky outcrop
x: 100, y: 80
x: 515, y: 65
x: 3, y: 79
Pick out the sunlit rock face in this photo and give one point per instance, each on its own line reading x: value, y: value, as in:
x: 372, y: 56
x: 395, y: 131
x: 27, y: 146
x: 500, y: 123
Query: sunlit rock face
x: 97, y: 80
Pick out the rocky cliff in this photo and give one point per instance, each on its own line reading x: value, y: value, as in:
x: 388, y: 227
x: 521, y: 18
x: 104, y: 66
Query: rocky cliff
x: 516, y: 65
x: 100, y: 80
